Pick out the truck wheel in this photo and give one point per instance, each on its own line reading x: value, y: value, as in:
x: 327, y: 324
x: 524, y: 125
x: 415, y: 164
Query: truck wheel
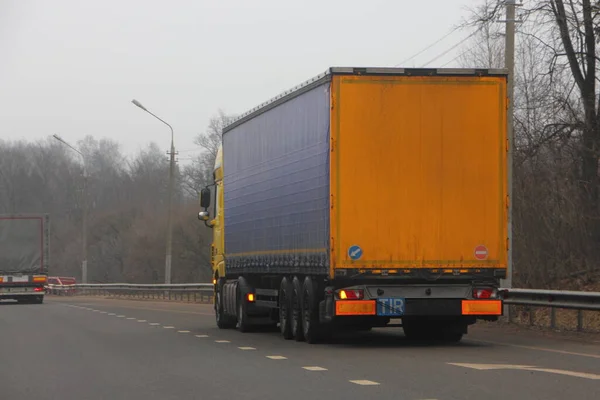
x: 242, y: 321
x: 285, y: 305
x: 242, y: 316
x: 418, y: 329
x: 223, y: 321
x: 450, y: 333
x: 451, y: 337
x: 310, y: 312
x: 296, y: 310
x: 38, y: 299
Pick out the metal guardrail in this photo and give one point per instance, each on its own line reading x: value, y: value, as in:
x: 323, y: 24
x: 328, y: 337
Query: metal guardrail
x: 530, y: 299
x: 191, y: 292
x: 525, y: 299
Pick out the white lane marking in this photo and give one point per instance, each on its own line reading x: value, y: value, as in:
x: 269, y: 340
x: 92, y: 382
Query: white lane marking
x: 153, y: 323
x: 183, y: 331
x: 141, y: 320
x: 584, y: 375
x: 131, y: 318
x: 222, y: 341
x: 277, y: 357
x: 364, y: 382
x: 103, y: 312
x: 315, y: 368
x: 201, y: 336
x: 120, y: 316
x: 482, y: 367
x: 112, y: 313
x: 169, y: 327
x: 246, y: 348
x: 570, y: 353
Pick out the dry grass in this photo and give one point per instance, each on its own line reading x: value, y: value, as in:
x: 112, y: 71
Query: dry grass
x: 564, y: 320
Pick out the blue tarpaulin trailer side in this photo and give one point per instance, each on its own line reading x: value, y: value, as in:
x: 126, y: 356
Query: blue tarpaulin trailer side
x: 276, y: 196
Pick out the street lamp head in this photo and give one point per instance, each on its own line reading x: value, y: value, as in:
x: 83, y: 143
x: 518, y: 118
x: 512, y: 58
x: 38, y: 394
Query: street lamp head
x: 138, y: 104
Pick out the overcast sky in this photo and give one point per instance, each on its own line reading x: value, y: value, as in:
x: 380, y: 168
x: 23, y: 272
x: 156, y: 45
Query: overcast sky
x: 72, y: 66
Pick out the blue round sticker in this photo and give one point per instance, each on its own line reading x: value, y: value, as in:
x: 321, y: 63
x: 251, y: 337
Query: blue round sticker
x: 355, y: 252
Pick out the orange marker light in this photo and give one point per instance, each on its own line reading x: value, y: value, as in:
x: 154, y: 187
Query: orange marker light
x: 250, y: 297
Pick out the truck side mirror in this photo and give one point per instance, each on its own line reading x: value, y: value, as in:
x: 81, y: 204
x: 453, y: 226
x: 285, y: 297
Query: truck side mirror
x: 205, y: 198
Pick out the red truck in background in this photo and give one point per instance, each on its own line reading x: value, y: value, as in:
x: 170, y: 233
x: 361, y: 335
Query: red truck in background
x: 24, y: 257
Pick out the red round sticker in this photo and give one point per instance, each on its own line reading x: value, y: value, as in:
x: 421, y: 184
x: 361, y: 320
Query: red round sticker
x: 481, y: 252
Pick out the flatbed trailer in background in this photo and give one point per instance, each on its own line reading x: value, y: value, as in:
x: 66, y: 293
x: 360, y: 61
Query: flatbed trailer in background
x: 363, y: 196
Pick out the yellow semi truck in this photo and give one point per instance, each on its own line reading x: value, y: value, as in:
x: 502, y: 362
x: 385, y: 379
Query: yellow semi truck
x: 362, y: 197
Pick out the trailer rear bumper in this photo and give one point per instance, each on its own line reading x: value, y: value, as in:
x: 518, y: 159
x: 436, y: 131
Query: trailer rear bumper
x: 13, y: 292
x: 402, y: 302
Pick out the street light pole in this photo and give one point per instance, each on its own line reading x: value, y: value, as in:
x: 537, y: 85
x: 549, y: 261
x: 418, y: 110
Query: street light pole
x: 170, y: 195
x: 84, y: 216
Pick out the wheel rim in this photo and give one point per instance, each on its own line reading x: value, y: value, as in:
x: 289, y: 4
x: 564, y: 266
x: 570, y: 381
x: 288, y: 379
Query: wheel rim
x: 295, y: 313
x: 283, y: 311
x: 240, y: 314
x: 218, y: 308
x: 306, y: 314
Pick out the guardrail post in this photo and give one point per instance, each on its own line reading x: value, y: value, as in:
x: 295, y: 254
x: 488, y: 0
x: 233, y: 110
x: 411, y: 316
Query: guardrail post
x: 531, y: 316
x: 553, y: 318
x: 579, y: 320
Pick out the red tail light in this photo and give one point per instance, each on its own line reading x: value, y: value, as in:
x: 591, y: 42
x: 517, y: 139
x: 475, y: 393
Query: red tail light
x: 483, y: 293
x: 351, y: 294
x: 38, y: 289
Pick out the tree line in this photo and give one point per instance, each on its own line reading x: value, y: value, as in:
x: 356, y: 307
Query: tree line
x: 127, y: 206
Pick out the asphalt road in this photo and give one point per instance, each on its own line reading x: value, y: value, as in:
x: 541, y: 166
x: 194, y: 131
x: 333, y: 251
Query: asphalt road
x: 93, y: 348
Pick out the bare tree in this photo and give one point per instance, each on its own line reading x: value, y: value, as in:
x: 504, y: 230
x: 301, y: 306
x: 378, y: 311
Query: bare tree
x: 199, y: 173
x: 556, y: 210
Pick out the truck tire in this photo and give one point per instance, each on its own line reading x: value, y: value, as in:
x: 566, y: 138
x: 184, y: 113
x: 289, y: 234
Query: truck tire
x: 311, y: 328
x: 223, y: 321
x: 285, y: 306
x: 427, y: 330
x: 242, y: 316
x: 451, y: 337
x: 38, y: 300
x: 417, y: 329
x: 296, y: 310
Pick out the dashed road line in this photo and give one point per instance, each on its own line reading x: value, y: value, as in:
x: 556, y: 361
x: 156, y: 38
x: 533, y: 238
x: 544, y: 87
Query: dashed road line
x: 154, y: 323
x: 183, y: 331
x: 169, y: 327
x: 314, y: 368
x: 247, y: 348
x: 131, y: 318
x: 112, y: 313
x: 120, y: 316
x: 103, y: 312
x: 365, y: 382
x: 277, y: 357
x: 201, y: 336
x: 141, y: 320
x: 222, y: 341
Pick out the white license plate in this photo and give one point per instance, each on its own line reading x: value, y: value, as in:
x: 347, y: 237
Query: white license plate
x: 20, y: 278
